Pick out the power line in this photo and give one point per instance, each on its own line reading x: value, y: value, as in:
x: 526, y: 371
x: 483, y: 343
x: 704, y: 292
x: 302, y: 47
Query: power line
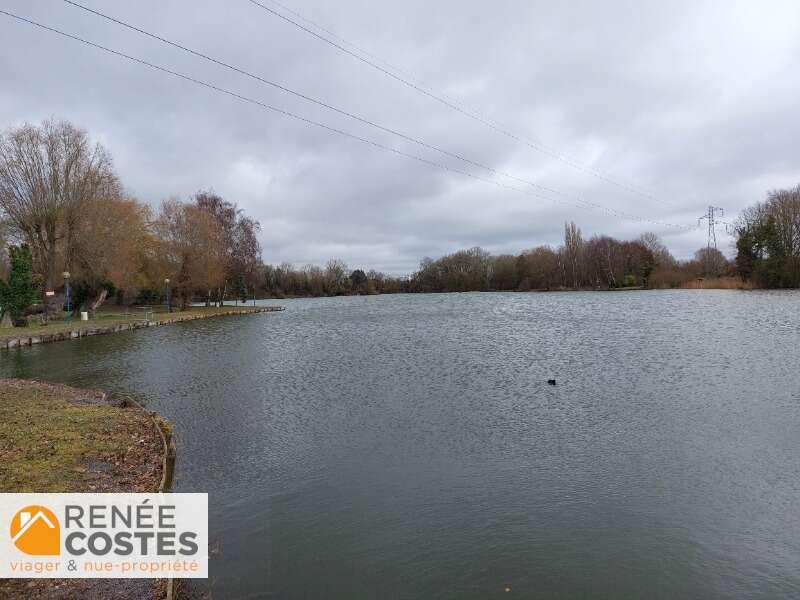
x: 303, y: 96
x: 364, y: 120
x: 407, y: 80
x: 282, y: 111
x: 340, y: 39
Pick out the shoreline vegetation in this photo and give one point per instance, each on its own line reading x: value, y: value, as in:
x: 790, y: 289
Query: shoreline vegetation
x: 73, y: 240
x: 715, y: 283
x: 56, y: 438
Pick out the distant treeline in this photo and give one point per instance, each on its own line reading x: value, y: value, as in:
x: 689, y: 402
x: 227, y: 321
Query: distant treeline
x: 601, y: 262
x: 67, y: 217
x: 768, y: 256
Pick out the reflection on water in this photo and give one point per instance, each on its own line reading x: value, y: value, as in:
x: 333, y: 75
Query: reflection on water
x: 410, y: 447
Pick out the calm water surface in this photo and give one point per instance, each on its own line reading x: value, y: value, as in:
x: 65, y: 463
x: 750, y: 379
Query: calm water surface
x: 410, y: 447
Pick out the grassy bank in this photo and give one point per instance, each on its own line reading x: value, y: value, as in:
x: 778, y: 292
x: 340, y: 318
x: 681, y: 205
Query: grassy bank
x: 54, y: 438
x: 111, y: 322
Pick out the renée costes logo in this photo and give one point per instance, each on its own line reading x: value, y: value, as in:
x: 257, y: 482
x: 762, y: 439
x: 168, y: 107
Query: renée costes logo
x: 104, y: 535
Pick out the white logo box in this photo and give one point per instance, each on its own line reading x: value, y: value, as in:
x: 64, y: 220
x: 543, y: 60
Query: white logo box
x: 104, y: 536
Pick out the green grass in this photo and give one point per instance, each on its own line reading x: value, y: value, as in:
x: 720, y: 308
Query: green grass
x: 55, y: 438
x: 110, y: 317
x: 48, y: 442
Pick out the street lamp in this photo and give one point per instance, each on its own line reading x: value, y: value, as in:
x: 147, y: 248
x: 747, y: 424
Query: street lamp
x: 167, y: 294
x: 67, y: 295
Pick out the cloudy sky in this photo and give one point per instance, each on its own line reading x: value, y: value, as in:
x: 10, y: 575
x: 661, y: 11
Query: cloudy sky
x: 689, y: 103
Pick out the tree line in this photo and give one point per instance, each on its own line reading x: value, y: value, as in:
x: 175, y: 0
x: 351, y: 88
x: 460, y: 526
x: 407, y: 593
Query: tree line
x: 65, y: 209
x: 600, y: 262
x: 66, y: 217
x: 768, y: 256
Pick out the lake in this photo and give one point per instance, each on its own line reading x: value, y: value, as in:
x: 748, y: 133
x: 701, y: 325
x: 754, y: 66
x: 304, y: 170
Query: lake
x: 409, y: 446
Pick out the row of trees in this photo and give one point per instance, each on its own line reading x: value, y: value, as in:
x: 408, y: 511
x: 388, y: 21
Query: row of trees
x: 62, y: 203
x: 601, y: 262
x: 768, y: 243
x: 335, y: 279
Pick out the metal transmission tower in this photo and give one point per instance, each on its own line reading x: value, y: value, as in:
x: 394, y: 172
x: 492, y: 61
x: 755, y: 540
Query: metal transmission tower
x: 712, y: 217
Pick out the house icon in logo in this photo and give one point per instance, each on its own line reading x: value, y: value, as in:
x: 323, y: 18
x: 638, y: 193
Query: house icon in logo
x: 35, y: 530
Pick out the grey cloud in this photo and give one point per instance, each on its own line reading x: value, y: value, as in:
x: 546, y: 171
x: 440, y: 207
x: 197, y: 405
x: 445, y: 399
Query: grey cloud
x: 694, y: 101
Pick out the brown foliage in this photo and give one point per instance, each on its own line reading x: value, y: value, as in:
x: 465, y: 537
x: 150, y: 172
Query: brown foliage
x: 191, y: 247
x: 112, y: 241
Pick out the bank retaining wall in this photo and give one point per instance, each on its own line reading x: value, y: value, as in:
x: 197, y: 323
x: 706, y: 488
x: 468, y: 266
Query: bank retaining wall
x: 19, y: 339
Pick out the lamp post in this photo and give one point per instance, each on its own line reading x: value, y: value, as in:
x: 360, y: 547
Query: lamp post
x: 167, y: 294
x: 67, y: 295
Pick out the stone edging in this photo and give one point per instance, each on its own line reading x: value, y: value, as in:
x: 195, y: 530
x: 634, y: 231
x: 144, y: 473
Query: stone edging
x: 167, y: 466
x: 14, y: 341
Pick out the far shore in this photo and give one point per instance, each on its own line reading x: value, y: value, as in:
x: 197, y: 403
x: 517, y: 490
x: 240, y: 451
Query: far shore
x: 721, y: 283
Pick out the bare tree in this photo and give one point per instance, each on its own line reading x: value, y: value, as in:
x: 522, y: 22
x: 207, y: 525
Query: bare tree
x: 604, y: 261
x: 192, y: 249
x: 573, y: 253
x: 504, y: 273
x: 239, y: 234
x: 539, y: 269
x: 46, y: 173
x: 336, y: 276
x: 712, y: 261
x: 661, y: 255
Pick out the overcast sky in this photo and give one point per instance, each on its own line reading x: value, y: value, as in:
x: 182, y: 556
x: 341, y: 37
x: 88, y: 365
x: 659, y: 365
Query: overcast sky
x: 692, y: 102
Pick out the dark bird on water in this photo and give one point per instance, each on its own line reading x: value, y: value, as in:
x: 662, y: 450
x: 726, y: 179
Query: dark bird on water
x: 551, y: 381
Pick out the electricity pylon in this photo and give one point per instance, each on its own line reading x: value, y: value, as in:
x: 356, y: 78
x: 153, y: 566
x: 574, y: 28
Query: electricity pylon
x: 711, y: 217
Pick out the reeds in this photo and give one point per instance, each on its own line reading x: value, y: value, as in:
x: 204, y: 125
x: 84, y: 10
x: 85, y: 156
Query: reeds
x: 717, y: 283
